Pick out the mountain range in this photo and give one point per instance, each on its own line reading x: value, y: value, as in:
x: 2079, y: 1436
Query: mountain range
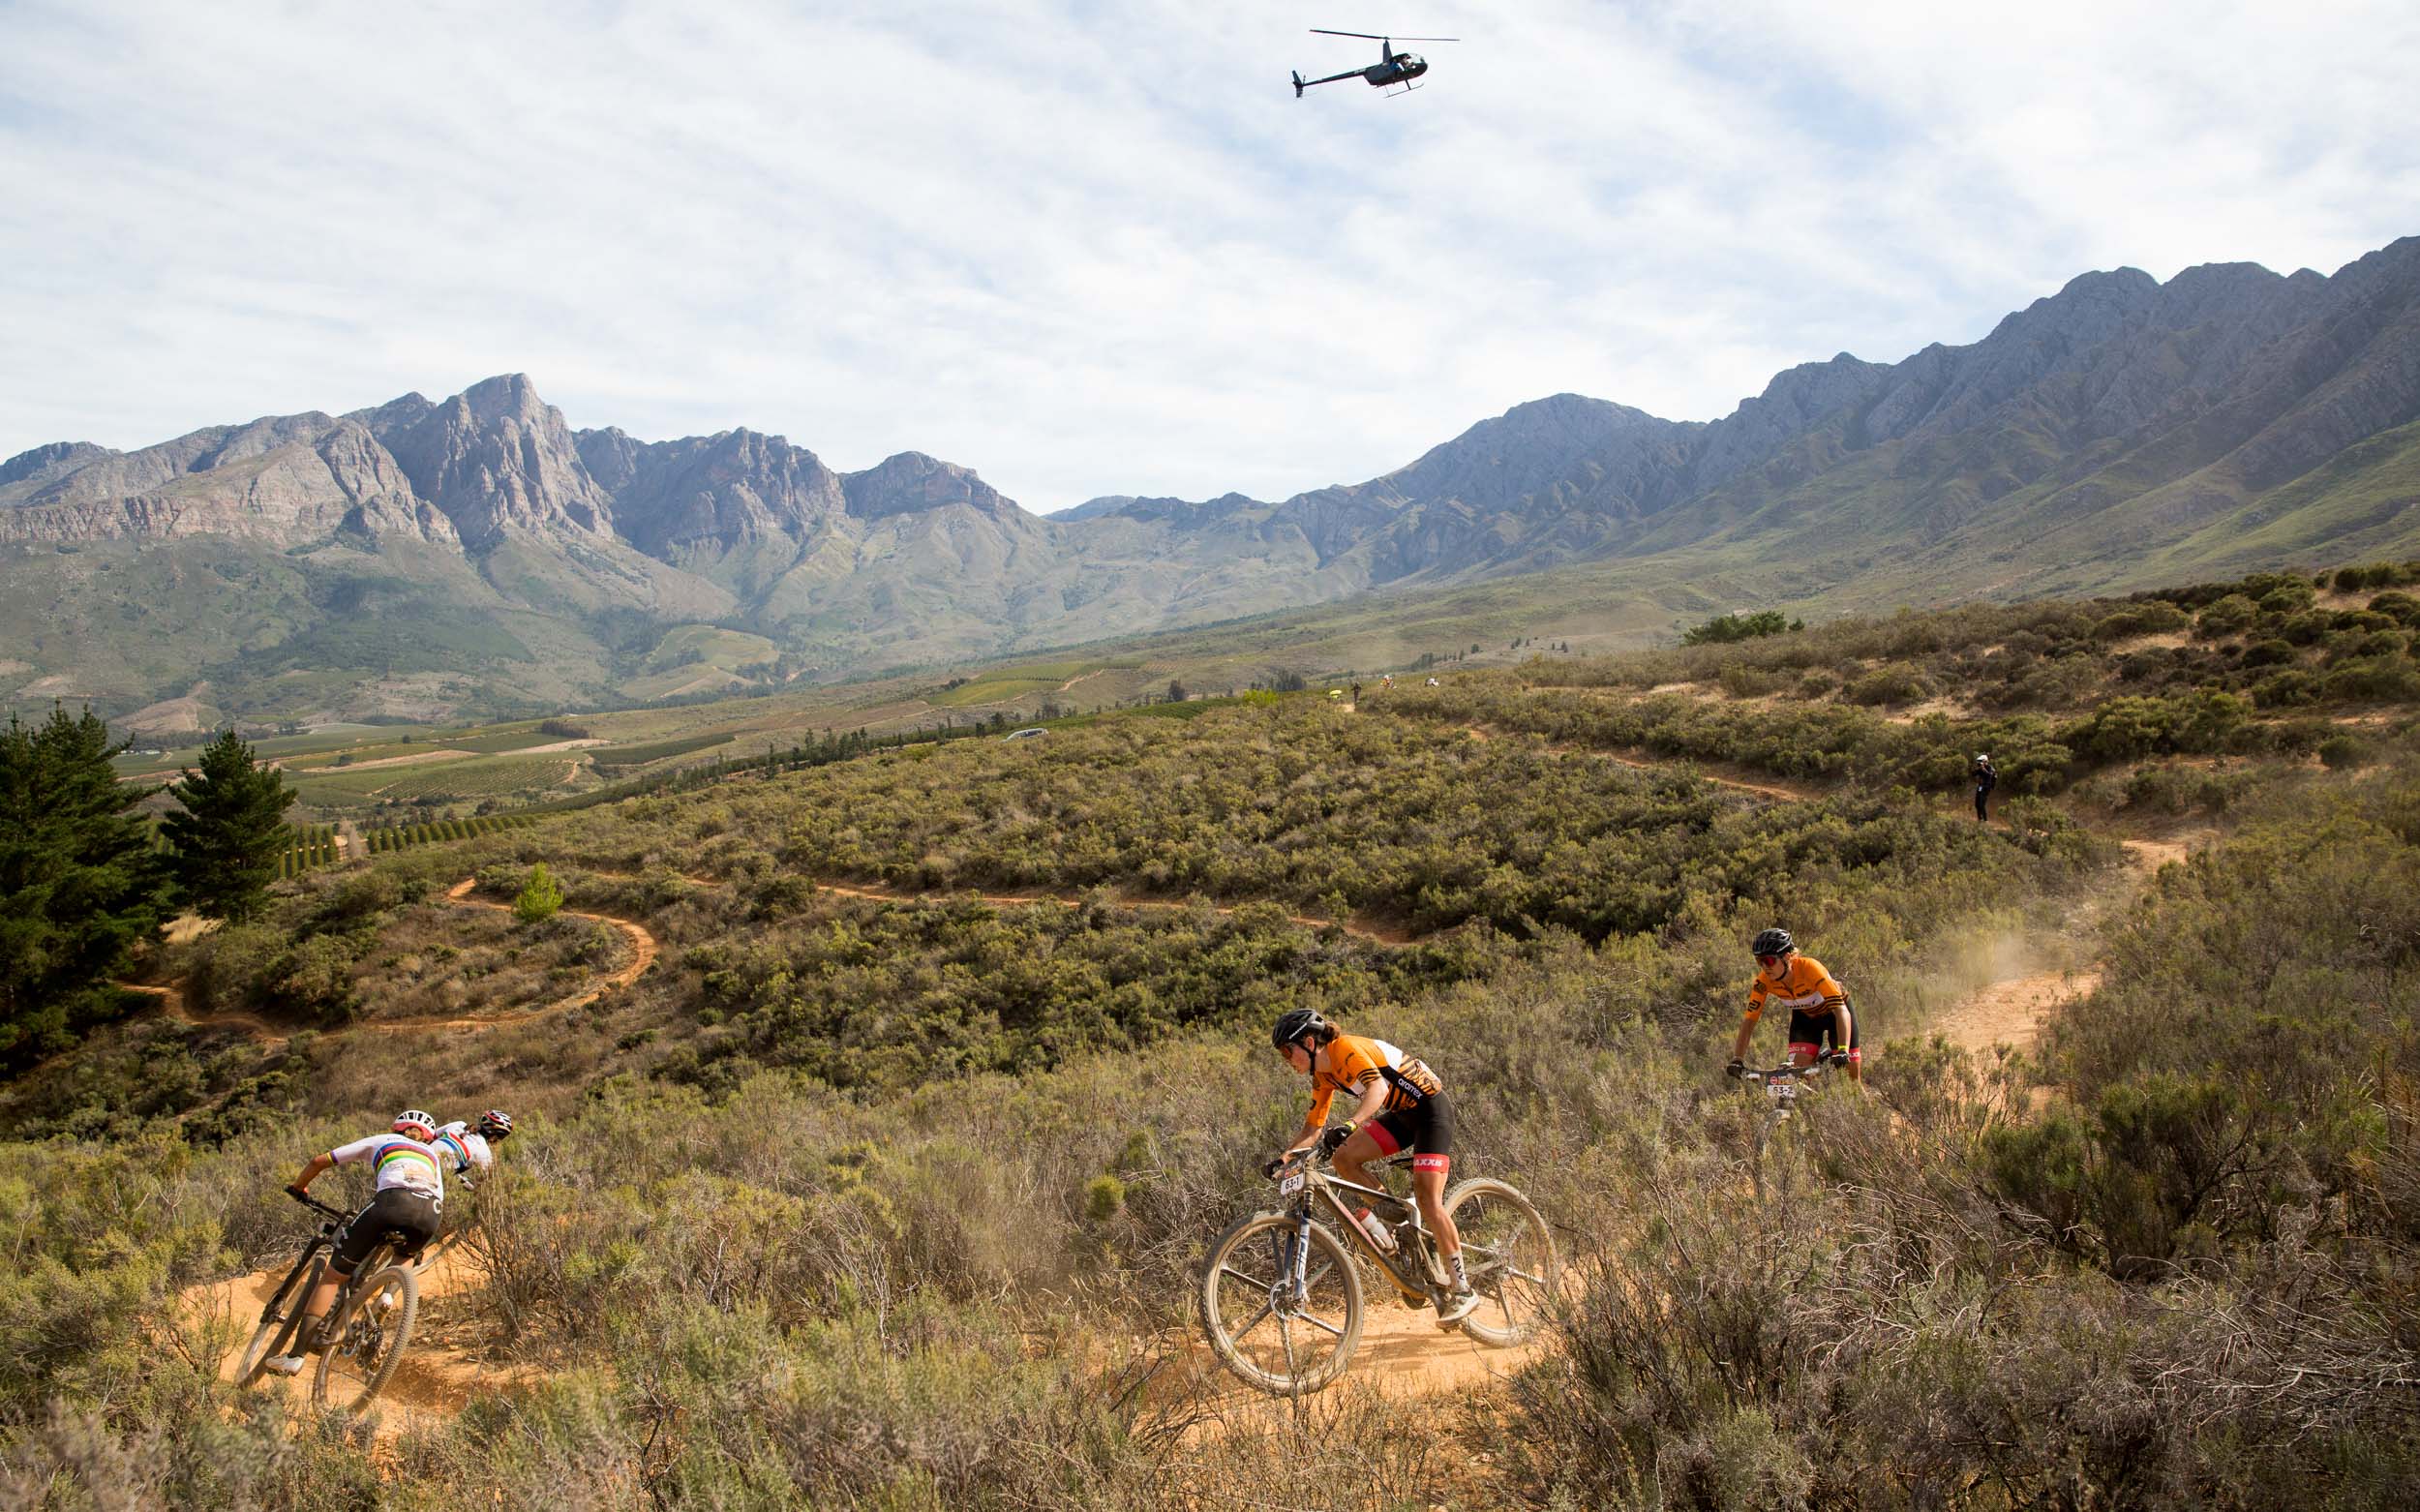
x: 478, y: 555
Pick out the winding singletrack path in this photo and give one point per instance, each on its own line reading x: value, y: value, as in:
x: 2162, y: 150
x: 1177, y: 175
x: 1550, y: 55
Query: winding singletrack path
x: 172, y: 1004
x: 643, y: 950
x: 2013, y: 1009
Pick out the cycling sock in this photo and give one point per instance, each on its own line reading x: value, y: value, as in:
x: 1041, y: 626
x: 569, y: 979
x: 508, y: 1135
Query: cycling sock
x: 1462, y: 1276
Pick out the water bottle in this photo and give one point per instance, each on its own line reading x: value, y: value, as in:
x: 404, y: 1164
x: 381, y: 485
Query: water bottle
x: 1375, y: 1228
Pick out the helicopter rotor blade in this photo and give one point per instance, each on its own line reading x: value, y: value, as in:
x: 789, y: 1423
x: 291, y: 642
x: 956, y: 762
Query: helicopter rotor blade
x: 1321, y: 31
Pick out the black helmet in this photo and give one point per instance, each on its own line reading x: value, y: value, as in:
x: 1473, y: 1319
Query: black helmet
x: 1771, y: 941
x: 1294, y: 1023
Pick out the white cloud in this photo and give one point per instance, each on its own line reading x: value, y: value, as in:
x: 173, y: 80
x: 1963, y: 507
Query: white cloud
x: 1091, y: 249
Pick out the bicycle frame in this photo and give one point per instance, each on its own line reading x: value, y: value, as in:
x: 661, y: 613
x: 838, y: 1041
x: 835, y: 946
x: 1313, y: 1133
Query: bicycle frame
x: 1326, y: 1186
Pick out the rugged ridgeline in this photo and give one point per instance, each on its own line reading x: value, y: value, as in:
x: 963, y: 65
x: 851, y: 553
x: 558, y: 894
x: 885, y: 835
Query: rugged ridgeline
x: 422, y: 558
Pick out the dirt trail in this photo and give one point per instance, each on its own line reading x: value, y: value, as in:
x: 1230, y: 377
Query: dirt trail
x: 1403, y: 1355
x: 1359, y: 928
x: 642, y: 952
x: 1720, y: 777
x: 2011, y: 1012
x: 432, y: 1380
x: 172, y: 1004
x: 1786, y: 793
x: 2012, y: 1008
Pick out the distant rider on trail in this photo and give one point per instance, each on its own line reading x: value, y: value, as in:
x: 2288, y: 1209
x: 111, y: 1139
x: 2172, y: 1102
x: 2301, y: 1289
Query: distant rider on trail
x: 409, y: 1199
x: 466, y: 1149
x: 1818, y: 1005
x: 1402, y: 1103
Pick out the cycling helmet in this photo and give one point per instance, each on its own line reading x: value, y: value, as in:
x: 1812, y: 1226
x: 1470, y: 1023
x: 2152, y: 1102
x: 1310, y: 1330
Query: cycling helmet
x: 413, y: 1121
x: 1771, y: 941
x: 1294, y: 1023
x: 494, y: 1124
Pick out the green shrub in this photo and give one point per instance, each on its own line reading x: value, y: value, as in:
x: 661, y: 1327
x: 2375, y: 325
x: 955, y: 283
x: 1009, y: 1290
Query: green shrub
x: 539, y: 899
x: 2342, y: 752
x: 2229, y: 616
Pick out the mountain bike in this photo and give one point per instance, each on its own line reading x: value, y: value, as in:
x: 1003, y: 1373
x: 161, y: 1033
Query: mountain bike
x: 367, y: 1325
x: 1783, y: 1085
x: 1281, y: 1296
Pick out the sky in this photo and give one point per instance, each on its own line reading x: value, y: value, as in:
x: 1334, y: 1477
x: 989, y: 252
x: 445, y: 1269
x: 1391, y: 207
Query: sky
x: 1091, y: 248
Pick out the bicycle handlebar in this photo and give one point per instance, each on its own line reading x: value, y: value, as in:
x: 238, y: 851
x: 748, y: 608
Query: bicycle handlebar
x: 1750, y: 1074
x: 318, y: 1206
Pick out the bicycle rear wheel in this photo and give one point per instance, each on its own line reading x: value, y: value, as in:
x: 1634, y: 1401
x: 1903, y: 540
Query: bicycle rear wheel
x: 367, y: 1340
x: 280, y: 1320
x: 1285, y: 1348
x: 1511, y: 1256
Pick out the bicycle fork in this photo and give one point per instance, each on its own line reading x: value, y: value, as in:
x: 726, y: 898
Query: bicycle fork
x: 1291, y: 1288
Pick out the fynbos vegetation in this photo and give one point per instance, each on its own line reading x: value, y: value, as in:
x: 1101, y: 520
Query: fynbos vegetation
x: 862, y: 1197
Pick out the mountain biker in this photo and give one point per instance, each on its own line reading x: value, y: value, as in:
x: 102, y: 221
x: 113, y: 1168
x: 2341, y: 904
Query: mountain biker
x: 1401, y: 1101
x: 1818, y: 1005
x: 409, y: 1195
x: 469, y: 1149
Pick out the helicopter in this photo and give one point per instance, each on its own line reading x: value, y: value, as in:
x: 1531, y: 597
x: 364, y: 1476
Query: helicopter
x: 1392, y: 67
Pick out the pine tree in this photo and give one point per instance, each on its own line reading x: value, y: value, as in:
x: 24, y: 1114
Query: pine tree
x: 80, y: 879
x: 539, y: 899
x: 225, y: 846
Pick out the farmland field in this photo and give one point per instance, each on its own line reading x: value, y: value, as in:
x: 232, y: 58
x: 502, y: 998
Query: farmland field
x: 1009, y: 683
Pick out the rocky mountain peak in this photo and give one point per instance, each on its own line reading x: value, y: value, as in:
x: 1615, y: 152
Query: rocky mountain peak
x: 711, y: 492
x: 42, y: 464
x: 495, y: 457
x: 912, y: 481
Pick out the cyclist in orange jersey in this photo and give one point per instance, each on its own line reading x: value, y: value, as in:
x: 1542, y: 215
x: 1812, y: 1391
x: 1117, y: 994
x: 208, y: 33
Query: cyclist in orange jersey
x: 1819, y: 1006
x: 1399, y: 1102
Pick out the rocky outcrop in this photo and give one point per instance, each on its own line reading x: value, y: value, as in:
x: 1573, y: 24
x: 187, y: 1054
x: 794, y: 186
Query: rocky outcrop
x: 493, y: 458
x: 712, y: 492
x: 290, y: 482
x: 911, y: 483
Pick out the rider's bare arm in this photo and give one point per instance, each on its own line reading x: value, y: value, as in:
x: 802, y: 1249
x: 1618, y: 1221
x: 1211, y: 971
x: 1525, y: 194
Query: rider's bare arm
x: 1373, y: 1097
x: 1747, y: 1027
x: 312, y: 1172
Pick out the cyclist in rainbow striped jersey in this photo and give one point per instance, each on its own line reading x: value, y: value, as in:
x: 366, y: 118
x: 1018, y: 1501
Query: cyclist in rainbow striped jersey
x: 409, y: 1199
x: 466, y: 1149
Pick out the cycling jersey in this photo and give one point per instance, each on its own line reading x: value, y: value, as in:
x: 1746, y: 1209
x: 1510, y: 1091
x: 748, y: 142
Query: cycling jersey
x: 399, y: 1161
x: 1802, y: 986
x: 464, y: 1150
x: 1348, y: 1063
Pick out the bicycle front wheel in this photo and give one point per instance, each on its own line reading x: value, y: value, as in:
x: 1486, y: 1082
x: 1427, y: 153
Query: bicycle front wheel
x: 1286, y: 1340
x: 1511, y: 1256
x: 280, y: 1320
x: 366, y: 1341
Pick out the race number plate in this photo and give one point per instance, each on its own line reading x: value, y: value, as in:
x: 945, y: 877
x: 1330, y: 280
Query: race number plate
x: 1291, y: 1185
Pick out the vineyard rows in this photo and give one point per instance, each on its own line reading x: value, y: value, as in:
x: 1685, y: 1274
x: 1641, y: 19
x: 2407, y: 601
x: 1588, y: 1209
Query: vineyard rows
x: 397, y: 837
